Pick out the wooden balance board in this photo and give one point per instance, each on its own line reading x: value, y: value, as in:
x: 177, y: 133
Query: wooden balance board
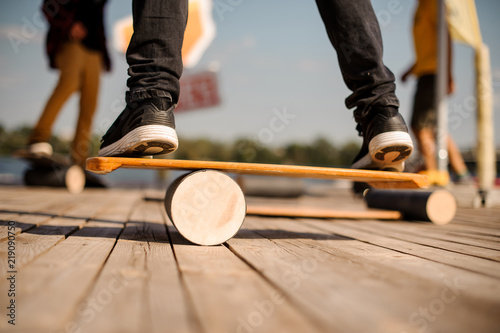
x: 208, y: 207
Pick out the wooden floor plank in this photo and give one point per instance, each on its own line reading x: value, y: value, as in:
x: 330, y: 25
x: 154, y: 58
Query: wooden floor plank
x: 40, y: 239
x: 471, y: 229
x: 37, y: 241
x: 104, y: 261
x: 22, y: 222
x: 32, y: 201
x: 472, y: 235
x: 349, y: 279
x: 142, y: 280
x: 28, y: 215
x: 388, y: 230
x: 436, y: 232
x: 50, y: 286
x: 15, y: 199
x: 488, y: 215
x: 484, y: 217
x: 349, y: 229
x: 229, y: 296
x: 476, y: 222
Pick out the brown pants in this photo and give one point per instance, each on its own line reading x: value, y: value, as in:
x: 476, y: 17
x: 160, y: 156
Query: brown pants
x: 80, y: 70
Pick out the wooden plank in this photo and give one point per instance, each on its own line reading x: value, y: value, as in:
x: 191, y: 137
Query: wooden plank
x: 480, y: 237
x: 479, y: 221
x: 470, y: 228
x: 30, y: 200
x: 29, y: 209
x: 482, y: 266
x: 381, y: 179
x: 422, y: 239
x: 31, y: 244
x: 38, y: 240
x: 80, y: 206
x: 22, y: 222
x: 490, y: 213
x: 16, y: 197
x: 310, y: 212
x: 229, y: 296
x: 434, y: 232
x: 72, y: 203
x: 123, y: 204
x: 50, y: 286
x: 142, y: 280
x: 340, y: 280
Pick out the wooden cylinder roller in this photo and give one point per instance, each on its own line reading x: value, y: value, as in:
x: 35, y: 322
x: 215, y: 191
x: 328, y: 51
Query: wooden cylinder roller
x: 438, y: 206
x: 72, y: 177
x: 207, y: 207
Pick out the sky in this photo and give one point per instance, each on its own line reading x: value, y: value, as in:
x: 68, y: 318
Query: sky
x: 275, y: 64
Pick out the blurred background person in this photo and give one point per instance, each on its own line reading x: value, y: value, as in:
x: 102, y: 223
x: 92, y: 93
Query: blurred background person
x: 76, y: 46
x: 424, y: 115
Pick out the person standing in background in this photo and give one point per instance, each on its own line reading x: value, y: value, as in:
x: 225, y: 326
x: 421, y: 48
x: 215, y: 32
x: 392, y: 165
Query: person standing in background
x: 76, y: 46
x: 424, y: 115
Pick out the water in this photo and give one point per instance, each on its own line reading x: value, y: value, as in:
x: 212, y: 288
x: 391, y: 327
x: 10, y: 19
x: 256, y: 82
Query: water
x: 12, y: 172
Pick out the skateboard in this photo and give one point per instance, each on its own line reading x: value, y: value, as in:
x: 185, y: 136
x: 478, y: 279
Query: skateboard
x: 208, y: 207
x: 53, y: 171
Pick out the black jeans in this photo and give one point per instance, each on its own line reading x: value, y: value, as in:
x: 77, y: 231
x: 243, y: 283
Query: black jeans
x: 154, y: 54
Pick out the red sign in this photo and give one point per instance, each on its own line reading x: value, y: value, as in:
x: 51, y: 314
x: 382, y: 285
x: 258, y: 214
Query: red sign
x: 198, y: 91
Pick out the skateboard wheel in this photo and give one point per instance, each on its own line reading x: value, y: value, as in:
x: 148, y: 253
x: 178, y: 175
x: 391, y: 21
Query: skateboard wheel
x: 207, y: 207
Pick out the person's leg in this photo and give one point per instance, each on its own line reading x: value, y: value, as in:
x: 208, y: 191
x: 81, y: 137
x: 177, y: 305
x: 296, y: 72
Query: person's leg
x: 154, y: 54
x: 456, y: 160
x: 423, y: 120
x: 355, y: 34
x: 427, y: 146
x: 147, y: 126
x: 68, y: 61
x: 89, y: 91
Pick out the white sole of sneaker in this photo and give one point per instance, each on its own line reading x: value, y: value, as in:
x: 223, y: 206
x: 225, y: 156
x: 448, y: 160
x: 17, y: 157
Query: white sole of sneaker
x: 391, y: 149
x: 41, y: 148
x: 144, y: 141
x: 387, y: 151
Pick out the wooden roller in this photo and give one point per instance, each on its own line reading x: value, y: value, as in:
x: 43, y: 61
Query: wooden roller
x: 72, y: 177
x: 438, y: 206
x: 207, y: 207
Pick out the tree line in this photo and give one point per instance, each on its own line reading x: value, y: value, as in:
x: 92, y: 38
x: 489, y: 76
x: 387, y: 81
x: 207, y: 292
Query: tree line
x: 319, y: 152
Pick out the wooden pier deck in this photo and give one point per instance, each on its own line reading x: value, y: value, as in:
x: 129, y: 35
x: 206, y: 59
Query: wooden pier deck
x: 109, y: 261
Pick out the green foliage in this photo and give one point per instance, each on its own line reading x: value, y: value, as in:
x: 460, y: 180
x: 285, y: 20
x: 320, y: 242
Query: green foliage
x: 347, y: 153
x: 95, y: 144
x: 202, y: 149
x: 13, y: 140
x: 320, y: 152
x: 17, y: 138
x: 245, y: 150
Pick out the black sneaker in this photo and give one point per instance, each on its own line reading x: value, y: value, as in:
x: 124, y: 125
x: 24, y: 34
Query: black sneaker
x: 145, y: 129
x: 386, y: 143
